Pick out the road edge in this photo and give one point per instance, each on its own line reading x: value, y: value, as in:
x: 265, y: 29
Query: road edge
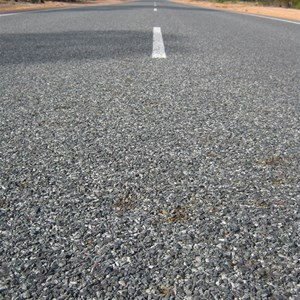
x: 67, y: 6
x: 267, y: 16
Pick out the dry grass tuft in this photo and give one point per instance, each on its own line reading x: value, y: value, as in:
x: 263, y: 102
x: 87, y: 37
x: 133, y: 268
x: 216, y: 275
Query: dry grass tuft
x: 272, y: 161
x: 124, y: 202
x: 177, y: 215
x: 278, y: 181
x: 164, y: 291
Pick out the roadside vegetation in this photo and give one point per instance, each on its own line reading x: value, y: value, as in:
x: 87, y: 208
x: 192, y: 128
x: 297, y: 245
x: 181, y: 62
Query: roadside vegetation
x: 41, y: 1
x: 10, y: 5
x: 276, y: 3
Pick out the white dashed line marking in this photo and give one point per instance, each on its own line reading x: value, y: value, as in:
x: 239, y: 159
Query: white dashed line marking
x: 155, y: 9
x: 158, y: 44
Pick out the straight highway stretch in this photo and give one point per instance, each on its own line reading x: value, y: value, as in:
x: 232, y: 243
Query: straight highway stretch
x: 149, y: 150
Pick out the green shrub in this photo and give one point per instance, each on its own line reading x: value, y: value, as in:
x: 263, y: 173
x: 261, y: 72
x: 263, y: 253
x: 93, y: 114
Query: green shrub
x: 280, y: 3
x: 296, y: 4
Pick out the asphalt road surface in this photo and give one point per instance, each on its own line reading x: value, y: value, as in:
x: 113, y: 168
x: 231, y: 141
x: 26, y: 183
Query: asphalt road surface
x: 149, y: 152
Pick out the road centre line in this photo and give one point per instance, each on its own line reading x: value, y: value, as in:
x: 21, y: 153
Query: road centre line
x: 158, y: 44
x: 155, y: 9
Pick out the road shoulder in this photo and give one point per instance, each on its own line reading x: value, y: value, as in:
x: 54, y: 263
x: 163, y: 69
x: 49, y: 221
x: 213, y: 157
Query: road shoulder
x: 19, y: 6
x: 277, y: 12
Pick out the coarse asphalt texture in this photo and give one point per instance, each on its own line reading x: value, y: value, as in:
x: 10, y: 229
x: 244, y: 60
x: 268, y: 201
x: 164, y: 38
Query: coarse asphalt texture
x: 128, y: 177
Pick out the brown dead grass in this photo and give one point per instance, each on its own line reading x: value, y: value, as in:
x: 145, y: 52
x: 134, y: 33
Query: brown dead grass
x: 177, y: 215
x: 11, y: 6
x: 278, y: 12
x: 164, y: 291
x: 272, y: 161
x: 125, y: 202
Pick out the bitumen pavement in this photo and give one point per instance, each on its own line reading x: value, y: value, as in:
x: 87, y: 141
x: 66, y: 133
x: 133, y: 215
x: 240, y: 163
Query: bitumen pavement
x: 142, y: 163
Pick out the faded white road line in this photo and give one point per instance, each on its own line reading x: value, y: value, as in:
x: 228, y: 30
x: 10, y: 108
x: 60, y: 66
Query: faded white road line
x: 5, y: 15
x: 258, y: 16
x: 50, y: 9
x: 270, y: 18
x: 33, y: 11
x: 155, y: 9
x: 158, y: 44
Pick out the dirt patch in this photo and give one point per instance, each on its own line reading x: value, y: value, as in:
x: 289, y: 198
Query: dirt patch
x: 279, y: 12
x: 12, y: 6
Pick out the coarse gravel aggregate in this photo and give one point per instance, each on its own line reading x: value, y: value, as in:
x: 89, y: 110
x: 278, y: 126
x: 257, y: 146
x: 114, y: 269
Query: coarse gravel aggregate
x: 126, y: 177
